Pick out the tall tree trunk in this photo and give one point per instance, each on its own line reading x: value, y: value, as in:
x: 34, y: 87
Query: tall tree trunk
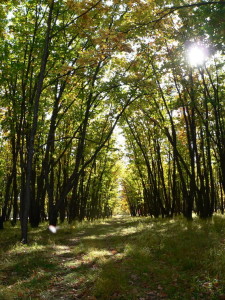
x: 25, y: 201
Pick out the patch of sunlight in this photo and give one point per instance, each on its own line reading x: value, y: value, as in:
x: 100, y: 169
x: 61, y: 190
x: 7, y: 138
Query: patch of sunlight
x: 100, y: 236
x: 61, y: 249
x: 20, y: 248
x: 93, y: 237
x: 87, y: 225
x: 37, y: 274
x: 128, y: 249
x: 74, y: 264
x: 39, y: 229
x: 119, y: 232
x: 93, y: 256
x: 107, y: 223
x: 97, y: 254
x: 172, y: 221
x: 128, y: 231
x: 144, y: 226
x: 197, y: 226
x: 194, y: 215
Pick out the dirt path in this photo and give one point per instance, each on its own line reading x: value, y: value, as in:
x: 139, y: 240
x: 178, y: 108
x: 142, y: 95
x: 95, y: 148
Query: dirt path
x: 80, y: 255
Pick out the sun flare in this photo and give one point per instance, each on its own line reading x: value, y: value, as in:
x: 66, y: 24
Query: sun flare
x: 196, y: 55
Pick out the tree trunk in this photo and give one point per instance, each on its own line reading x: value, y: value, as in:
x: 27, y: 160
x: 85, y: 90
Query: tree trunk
x: 25, y: 201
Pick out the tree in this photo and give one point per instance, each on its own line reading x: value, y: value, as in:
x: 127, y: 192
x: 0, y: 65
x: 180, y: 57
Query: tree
x: 72, y: 72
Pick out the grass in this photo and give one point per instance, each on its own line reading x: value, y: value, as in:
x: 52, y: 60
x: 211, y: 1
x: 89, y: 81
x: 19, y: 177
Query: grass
x: 121, y: 258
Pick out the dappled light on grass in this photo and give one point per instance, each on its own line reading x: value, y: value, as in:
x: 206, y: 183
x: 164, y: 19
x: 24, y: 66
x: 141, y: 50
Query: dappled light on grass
x: 61, y: 249
x: 19, y: 248
x: 93, y: 259
x: 166, y: 261
x: 23, y: 270
x: 126, y: 258
x: 118, y: 232
x: 94, y: 254
x: 21, y: 287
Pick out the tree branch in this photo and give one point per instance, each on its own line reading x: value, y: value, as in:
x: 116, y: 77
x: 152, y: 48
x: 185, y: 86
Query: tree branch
x: 172, y: 9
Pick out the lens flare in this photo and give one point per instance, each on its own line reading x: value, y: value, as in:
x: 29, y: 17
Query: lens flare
x: 52, y: 228
x: 196, y: 55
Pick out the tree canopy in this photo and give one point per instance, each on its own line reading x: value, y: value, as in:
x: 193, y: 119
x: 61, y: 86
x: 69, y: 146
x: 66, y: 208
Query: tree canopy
x: 72, y: 71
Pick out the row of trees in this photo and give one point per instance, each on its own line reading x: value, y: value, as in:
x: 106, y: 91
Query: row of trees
x: 176, y: 132
x: 71, y: 70
x: 59, y: 109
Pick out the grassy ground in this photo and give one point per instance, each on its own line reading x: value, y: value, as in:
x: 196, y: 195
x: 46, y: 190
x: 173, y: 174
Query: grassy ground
x: 121, y: 258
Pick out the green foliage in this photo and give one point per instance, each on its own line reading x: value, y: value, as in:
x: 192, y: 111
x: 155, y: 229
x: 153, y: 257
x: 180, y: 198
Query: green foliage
x: 72, y: 69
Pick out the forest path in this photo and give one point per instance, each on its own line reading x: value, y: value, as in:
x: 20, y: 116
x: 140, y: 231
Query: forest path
x: 82, y: 256
x: 121, y: 258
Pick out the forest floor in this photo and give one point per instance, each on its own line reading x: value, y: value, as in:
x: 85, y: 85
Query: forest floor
x: 121, y: 258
